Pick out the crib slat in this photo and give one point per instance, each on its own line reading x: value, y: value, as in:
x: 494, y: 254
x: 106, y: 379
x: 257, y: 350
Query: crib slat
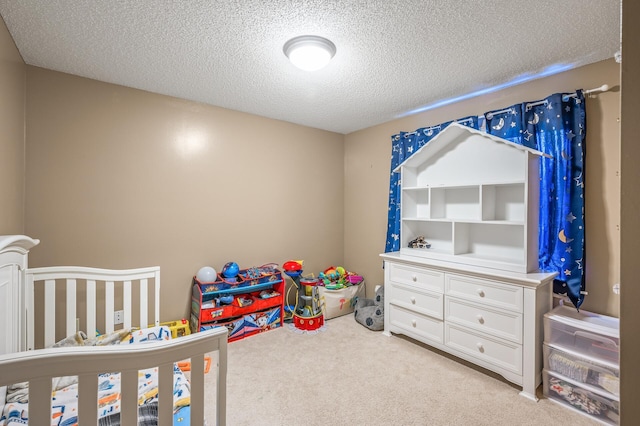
x: 49, y: 312
x: 165, y: 395
x: 71, y: 307
x: 91, y: 307
x: 40, y: 396
x: 129, y: 399
x: 197, y: 390
x: 156, y: 298
x: 221, y: 385
x: 108, y: 306
x: 144, y: 315
x: 126, y: 303
x: 31, y: 320
x: 87, y: 405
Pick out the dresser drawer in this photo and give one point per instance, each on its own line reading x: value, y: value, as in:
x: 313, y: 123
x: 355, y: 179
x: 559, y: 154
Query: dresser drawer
x: 487, y: 292
x: 416, y: 277
x: 498, y: 352
x: 500, y: 323
x: 418, y: 300
x: 414, y: 325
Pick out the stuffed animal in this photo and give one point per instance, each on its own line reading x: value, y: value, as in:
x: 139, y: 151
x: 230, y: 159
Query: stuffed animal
x: 370, y: 312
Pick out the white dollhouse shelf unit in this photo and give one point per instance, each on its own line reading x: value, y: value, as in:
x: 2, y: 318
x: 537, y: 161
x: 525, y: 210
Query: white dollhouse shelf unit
x: 474, y: 197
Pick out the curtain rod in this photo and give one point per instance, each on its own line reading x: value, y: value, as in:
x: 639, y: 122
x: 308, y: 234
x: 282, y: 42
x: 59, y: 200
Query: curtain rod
x: 565, y: 98
x: 603, y: 88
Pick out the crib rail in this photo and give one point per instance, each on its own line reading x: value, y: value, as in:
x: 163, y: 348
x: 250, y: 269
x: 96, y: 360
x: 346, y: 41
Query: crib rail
x: 77, y: 280
x: 38, y: 367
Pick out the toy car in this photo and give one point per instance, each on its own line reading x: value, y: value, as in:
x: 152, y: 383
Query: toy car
x: 419, y: 242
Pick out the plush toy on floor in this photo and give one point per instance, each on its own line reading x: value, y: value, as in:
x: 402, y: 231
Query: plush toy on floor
x: 370, y: 312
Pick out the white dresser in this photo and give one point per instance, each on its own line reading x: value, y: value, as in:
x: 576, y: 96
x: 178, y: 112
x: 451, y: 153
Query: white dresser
x: 489, y: 317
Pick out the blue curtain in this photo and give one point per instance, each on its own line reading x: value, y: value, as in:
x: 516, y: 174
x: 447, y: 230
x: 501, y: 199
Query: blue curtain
x: 556, y: 126
x: 404, y: 144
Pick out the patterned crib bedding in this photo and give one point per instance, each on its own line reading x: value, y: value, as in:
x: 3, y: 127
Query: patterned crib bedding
x: 64, y: 402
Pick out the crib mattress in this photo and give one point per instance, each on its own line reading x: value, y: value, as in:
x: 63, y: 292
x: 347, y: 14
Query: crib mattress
x: 64, y: 400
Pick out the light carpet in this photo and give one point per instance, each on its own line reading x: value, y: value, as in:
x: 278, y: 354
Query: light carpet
x: 349, y: 375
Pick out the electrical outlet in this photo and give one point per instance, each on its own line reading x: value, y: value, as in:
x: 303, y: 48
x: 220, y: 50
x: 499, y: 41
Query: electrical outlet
x: 616, y: 288
x: 118, y: 317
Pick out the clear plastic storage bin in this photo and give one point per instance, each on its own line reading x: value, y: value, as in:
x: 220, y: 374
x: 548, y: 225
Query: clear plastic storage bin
x: 589, y: 334
x: 575, y: 366
x: 581, y: 397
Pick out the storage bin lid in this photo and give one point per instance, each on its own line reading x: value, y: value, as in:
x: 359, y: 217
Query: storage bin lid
x: 601, y: 324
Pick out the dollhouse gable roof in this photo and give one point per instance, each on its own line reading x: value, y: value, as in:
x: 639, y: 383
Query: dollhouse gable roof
x: 462, y: 155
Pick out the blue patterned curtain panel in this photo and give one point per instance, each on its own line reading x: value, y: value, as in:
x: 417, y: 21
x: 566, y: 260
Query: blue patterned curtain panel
x: 556, y: 126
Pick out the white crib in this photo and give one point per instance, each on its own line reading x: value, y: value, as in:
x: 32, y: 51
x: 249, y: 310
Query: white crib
x: 56, y: 302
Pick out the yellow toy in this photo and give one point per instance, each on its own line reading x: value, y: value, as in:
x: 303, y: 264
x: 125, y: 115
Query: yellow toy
x: 178, y: 328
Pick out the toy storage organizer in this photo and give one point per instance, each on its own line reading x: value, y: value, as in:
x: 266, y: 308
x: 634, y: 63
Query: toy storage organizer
x: 258, y: 305
x: 581, y: 362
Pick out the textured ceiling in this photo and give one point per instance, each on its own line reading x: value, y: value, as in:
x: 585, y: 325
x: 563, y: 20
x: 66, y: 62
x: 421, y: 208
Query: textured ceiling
x: 393, y: 57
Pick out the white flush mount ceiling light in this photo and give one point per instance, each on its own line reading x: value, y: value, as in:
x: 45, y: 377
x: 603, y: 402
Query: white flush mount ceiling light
x: 308, y: 52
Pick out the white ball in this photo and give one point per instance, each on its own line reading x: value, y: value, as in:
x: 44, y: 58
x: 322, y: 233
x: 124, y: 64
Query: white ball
x: 207, y: 274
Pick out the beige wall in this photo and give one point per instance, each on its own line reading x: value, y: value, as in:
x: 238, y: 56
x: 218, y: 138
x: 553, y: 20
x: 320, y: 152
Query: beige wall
x: 367, y: 161
x: 12, y: 122
x: 118, y: 177
x: 121, y: 178
x: 630, y: 239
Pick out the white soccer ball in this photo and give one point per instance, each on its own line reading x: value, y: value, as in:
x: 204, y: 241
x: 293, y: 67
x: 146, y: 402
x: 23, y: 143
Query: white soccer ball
x: 207, y: 274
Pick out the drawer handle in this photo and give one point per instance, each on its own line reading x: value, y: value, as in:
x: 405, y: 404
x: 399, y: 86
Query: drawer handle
x: 413, y: 300
x: 413, y: 323
x: 414, y: 278
x: 480, y: 292
x: 480, y: 347
x: 480, y: 319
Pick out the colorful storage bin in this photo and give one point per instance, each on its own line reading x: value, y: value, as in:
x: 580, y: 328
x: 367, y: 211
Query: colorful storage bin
x: 247, y: 325
x: 235, y: 327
